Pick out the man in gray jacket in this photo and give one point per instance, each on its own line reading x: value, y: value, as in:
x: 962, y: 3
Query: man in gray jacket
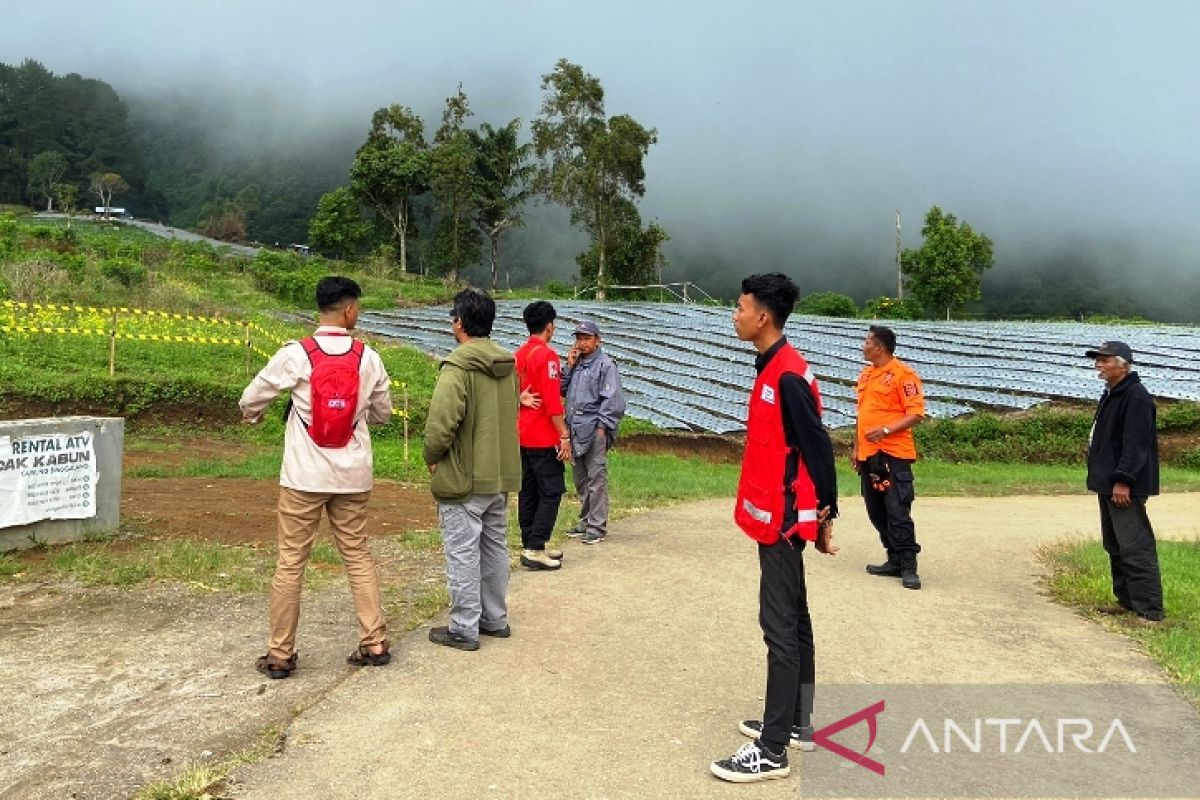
x: 595, y: 404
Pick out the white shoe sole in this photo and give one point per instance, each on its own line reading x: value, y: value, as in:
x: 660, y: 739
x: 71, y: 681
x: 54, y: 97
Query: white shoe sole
x: 534, y: 564
x: 749, y: 777
x: 804, y: 747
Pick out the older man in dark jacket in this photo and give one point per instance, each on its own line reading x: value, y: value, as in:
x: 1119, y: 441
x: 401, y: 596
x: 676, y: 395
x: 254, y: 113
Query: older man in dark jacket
x: 1123, y: 472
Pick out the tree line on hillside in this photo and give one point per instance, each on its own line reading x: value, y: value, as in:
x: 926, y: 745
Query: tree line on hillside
x: 440, y: 199
x: 59, y: 134
x: 470, y: 185
x: 62, y: 138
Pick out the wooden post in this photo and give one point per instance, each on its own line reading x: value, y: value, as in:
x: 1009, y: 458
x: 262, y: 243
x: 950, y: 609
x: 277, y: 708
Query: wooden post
x: 247, y: 349
x: 405, y: 390
x: 112, y: 346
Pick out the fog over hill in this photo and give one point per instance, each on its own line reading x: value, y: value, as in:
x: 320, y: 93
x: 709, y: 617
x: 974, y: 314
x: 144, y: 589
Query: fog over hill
x: 789, y: 133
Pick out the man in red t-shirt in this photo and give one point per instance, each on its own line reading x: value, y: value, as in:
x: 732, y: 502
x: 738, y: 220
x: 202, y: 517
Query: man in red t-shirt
x: 545, y: 441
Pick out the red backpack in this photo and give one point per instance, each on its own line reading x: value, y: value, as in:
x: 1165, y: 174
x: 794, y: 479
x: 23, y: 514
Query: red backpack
x: 334, y: 385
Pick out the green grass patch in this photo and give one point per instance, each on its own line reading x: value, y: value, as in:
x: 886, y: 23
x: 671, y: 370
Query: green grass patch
x: 1080, y: 577
x: 644, y: 481
x: 256, y: 465
x: 10, y: 566
x: 324, y: 552
x: 128, y: 560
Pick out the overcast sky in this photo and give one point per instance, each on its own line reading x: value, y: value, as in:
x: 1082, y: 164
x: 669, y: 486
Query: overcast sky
x: 789, y: 132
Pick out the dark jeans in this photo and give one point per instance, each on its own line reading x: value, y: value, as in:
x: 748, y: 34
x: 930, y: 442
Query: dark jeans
x: 891, y: 511
x: 1129, y: 541
x: 787, y: 630
x: 542, y: 488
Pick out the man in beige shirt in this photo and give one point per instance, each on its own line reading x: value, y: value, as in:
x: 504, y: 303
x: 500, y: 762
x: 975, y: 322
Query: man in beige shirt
x: 333, y: 477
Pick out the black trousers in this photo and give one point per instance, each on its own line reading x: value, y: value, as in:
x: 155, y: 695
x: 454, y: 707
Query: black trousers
x: 891, y: 511
x: 542, y: 488
x: 787, y: 631
x: 1129, y: 541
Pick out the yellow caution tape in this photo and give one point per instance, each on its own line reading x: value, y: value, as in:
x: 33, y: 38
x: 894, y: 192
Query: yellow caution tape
x: 44, y: 329
x: 123, y: 310
x: 152, y: 337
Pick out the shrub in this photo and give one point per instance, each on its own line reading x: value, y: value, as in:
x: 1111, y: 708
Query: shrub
x: 8, y: 234
x: 891, y: 308
x: 1044, y: 436
x: 559, y: 289
x: 125, y: 271
x: 288, y: 276
x: 828, y: 304
x: 34, y: 280
x: 1180, y: 415
x: 1190, y: 458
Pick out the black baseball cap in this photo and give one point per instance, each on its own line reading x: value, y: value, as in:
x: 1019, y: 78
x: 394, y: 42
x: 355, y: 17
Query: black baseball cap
x: 1113, y: 348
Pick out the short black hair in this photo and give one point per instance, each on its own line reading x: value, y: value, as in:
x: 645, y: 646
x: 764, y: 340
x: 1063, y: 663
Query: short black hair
x: 538, y: 315
x: 886, y: 337
x: 775, y: 292
x: 334, y: 290
x: 476, y: 310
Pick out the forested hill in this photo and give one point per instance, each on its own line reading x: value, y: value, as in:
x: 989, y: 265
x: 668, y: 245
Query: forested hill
x: 65, y: 129
x: 559, y: 197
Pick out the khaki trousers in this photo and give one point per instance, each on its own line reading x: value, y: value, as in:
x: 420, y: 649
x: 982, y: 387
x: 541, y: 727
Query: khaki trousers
x: 299, y: 516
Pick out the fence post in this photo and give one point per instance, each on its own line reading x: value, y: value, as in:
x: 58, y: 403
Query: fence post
x: 247, y: 349
x: 112, y: 346
x: 405, y: 391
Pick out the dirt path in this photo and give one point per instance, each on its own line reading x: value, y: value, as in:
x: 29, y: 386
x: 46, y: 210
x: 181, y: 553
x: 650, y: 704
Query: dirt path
x: 629, y: 668
x: 109, y: 688
x: 642, y: 651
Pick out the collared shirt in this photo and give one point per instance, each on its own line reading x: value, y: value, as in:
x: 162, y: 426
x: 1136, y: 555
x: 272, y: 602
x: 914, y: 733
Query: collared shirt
x: 884, y: 395
x: 306, y: 466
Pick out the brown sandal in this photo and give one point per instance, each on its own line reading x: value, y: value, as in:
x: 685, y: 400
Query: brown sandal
x: 275, y: 669
x: 363, y: 657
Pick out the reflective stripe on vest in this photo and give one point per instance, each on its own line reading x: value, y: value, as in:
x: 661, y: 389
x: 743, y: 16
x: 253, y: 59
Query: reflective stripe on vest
x: 759, y: 510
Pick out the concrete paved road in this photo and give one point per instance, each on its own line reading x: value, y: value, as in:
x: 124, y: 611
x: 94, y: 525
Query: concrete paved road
x: 165, y: 231
x: 629, y: 668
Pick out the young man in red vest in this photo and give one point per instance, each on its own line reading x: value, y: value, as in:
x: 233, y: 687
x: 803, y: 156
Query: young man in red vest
x: 787, y: 496
x: 545, y: 441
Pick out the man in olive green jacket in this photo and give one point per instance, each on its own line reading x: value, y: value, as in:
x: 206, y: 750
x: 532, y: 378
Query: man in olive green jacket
x: 474, y: 461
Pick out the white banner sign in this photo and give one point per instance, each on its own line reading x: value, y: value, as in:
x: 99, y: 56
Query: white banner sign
x: 47, y: 476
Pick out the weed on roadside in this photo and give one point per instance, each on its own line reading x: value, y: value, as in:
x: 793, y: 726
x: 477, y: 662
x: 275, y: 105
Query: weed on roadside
x: 200, y: 781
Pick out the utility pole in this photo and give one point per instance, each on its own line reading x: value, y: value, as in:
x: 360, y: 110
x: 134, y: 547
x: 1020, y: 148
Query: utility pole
x: 899, y: 274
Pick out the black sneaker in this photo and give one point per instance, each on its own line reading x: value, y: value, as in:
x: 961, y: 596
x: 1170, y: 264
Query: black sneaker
x: 593, y: 538
x: 576, y: 531
x: 503, y: 633
x: 443, y: 635
x: 752, y: 762
x: 801, y: 738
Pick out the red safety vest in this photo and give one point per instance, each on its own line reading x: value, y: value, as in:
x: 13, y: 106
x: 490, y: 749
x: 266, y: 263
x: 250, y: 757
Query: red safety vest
x: 760, y: 497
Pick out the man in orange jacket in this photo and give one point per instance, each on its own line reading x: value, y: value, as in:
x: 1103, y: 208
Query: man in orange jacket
x: 890, y: 402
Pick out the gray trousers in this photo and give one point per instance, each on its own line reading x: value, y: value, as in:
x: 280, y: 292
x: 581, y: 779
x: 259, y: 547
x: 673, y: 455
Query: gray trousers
x: 591, y: 482
x: 474, y: 533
